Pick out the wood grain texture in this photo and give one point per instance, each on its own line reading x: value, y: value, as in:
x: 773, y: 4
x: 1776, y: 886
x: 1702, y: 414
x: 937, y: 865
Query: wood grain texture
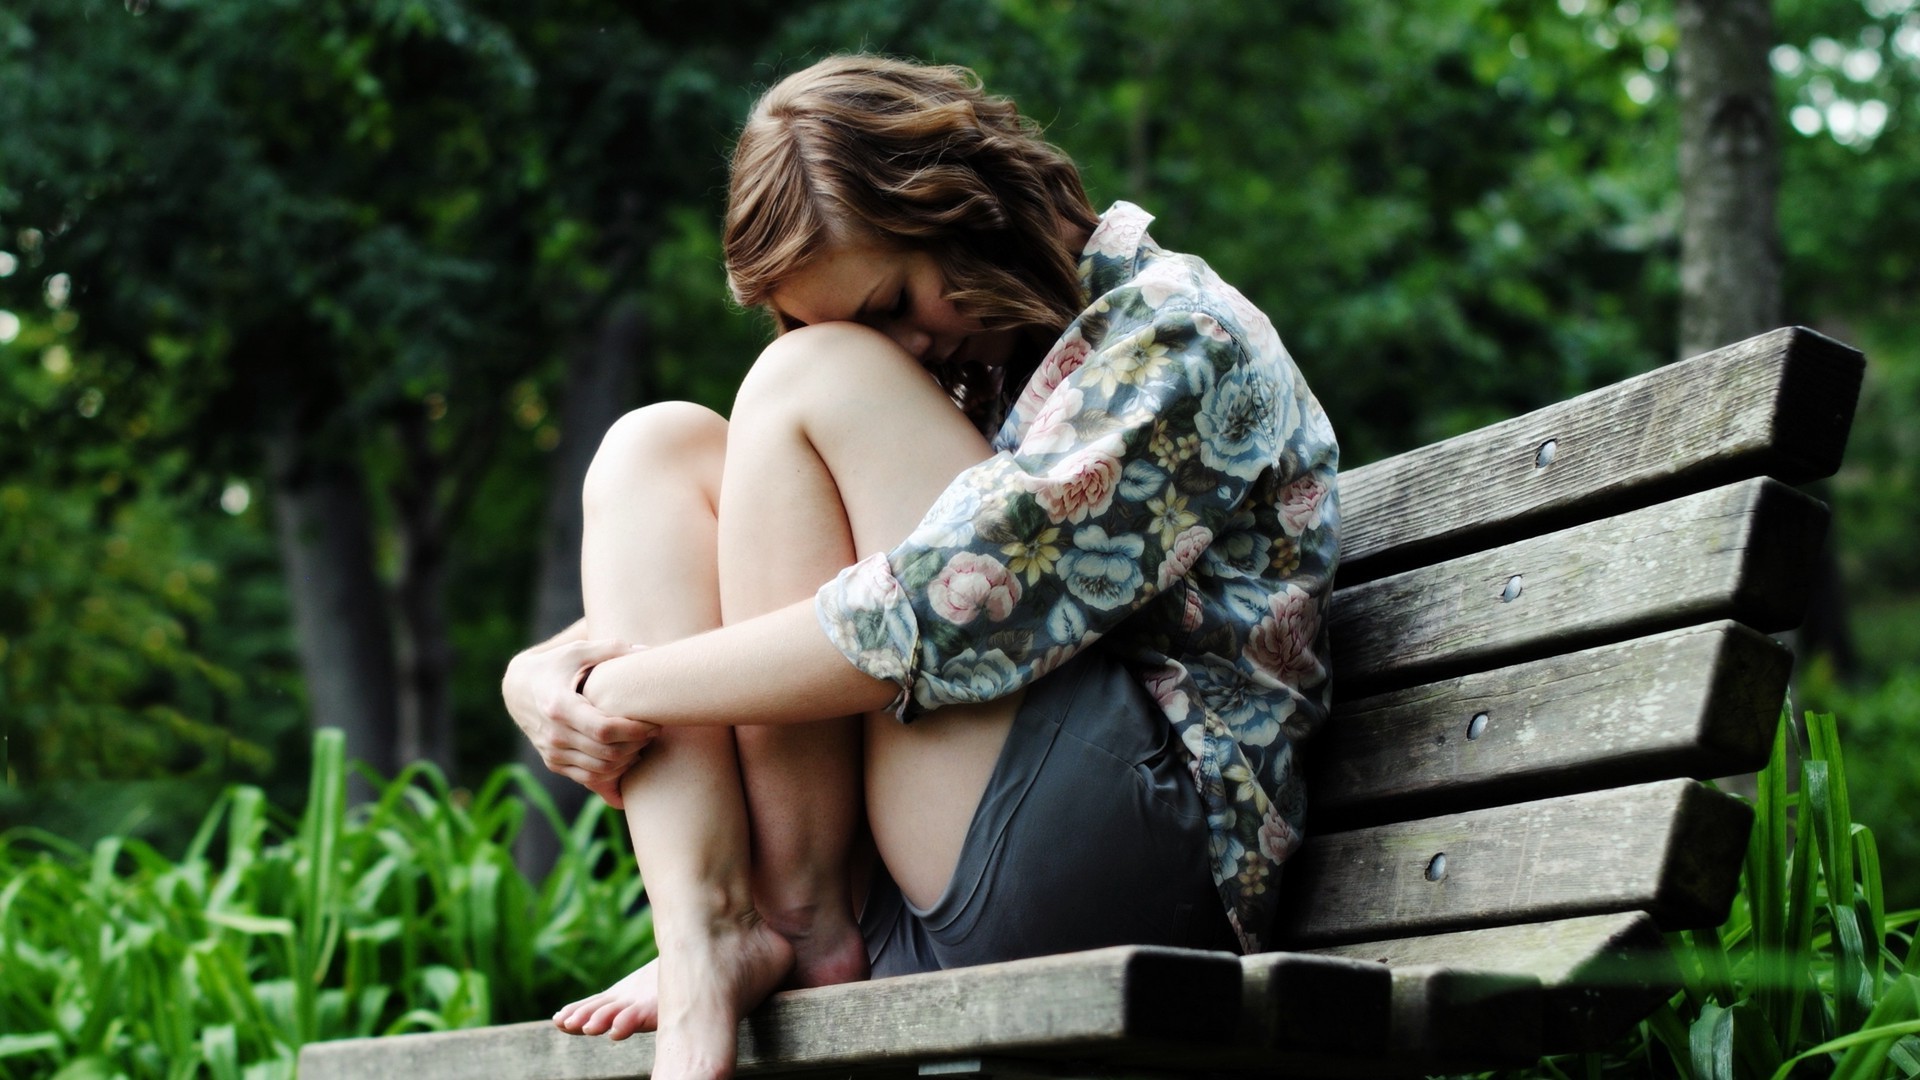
x: 1736, y: 552
x: 1671, y: 848
x: 1599, y: 973
x: 1701, y: 702
x: 1328, y: 1004
x: 1084, y: 1005
x: 1779, y: 404
x: 1448, y: 1018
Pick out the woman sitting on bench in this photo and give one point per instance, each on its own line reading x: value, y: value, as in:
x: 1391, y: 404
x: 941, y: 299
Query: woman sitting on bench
x: 995, y: 429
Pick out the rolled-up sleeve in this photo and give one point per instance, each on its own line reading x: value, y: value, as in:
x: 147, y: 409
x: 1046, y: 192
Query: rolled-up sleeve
x: 1127, y: 468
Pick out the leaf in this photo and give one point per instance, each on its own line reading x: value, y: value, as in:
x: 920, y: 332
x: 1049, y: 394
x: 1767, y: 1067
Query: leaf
x: 38, y: 1042
x: 253, y: 924
x: 220, y: 1045
x: 87, y: 1068
x: 1710, y: 1041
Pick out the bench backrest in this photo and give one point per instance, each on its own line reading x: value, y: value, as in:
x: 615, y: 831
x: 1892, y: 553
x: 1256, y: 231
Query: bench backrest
x: 1542, y: 630
x: 1544, y: 627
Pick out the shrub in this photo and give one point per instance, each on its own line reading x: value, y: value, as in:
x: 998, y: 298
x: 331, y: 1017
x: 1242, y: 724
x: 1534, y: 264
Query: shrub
x: 1810, y: 975
x: 404, y: 914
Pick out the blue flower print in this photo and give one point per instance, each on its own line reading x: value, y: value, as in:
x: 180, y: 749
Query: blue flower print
x: 1104, y: 571
x: 1236, y: 423
x: 1141, y: 480
x: 971, y: 676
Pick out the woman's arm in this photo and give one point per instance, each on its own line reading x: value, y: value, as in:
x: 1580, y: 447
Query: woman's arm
x: 576, y: 740
x: 778, y: 668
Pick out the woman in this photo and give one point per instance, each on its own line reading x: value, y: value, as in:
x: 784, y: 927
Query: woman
x: 1041, y: 431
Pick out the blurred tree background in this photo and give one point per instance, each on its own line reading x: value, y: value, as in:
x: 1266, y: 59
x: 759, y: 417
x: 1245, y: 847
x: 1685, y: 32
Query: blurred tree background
x: 311, y: 314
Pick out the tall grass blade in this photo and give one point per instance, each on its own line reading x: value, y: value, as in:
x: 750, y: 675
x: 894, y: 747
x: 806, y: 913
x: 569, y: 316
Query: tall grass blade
x: 1767, y: 887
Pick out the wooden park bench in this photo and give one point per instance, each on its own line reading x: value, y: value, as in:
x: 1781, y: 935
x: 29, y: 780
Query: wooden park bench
x: 1543, y: 630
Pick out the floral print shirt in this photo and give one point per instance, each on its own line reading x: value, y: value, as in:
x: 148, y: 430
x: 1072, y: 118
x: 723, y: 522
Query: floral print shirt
x: 1164, y: 485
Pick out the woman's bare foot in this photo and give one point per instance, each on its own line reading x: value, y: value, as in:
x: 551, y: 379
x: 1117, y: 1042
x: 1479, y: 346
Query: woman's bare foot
x: 630, y: 1005
x: 823, y: 956
x: 705, y: 985
x: 825, y: 951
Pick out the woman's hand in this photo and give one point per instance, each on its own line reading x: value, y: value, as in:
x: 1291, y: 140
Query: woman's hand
x: 575, y: 739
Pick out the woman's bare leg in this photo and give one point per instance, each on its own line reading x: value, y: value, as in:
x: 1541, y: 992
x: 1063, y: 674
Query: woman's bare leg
x: 649, y: 575
x: 839, y: 444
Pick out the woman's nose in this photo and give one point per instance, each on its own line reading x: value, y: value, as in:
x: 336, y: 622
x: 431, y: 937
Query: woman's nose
x: 914, y: 340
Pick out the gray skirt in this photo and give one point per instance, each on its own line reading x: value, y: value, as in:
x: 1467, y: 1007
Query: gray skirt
x: 1090, y: 833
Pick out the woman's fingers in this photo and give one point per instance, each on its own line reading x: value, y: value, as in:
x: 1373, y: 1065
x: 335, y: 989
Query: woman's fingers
x: 576, y: 740
x: 583, y: 654
x: 577, y: 717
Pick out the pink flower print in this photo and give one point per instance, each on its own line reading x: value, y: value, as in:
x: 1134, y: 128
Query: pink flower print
x: 1164, y: 684
x: 1191, y: 614
x: 1082, y: 483
x: 869, y: 585
x: 1118, y: 235
x: 1052, y: 659
x: 971, y: 583
x: 1052, y: 429
x: 1209, y: 327
x: 1063, y: 360
x: 1300, y: 504
x: 1281, y: 646
x: 1277, y: 838
x: 1248, y: 942
x: 1160, y: 282
x: 1185, y: 551
x: 1194, y: 738
x: 1253, y: 321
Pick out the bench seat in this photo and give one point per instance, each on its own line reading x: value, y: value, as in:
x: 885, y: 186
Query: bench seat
x: 1546, y: 634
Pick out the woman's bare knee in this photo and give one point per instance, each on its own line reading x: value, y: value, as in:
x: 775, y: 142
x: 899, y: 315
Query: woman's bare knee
x: 888, y: 436
x: 669, y: 440
x: 831, y: 364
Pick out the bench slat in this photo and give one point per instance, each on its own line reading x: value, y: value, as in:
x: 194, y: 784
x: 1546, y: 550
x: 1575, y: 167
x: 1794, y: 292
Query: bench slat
x: 1458, y: 1018
x: 1600, y: 974
x: 1300, y: 1002
x: 1085, y: 1005
x: 1697, y: 702
x: 1736, y: 552
x: 1779, y: 404
x: 1671, y: 848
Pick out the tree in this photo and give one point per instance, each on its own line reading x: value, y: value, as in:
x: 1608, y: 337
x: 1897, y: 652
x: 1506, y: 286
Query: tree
x: 1730, y: 252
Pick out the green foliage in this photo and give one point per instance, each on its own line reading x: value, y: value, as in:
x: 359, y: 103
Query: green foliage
x: 1881, y: 724
x: 385, y: 218
x: 1811, y: 974
x: 405, y: 914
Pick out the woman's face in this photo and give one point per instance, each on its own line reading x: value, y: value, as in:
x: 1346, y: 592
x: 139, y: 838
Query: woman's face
x: 900, y: 293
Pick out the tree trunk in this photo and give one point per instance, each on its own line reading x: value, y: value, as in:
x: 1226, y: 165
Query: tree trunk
x: 339, y: 605
x: 601, y: 378
x: 425, y: 650
x: 602, y: 375
x: 1729, y: 173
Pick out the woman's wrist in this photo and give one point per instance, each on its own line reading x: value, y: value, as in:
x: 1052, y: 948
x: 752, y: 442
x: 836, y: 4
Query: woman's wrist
x: 797, y: 675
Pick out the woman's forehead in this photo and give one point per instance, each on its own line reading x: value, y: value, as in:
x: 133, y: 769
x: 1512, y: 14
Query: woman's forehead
x: 839, y: 284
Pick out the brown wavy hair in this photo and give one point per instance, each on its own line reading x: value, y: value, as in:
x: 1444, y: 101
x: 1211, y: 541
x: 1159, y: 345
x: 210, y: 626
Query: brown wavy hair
x: 867, y: 149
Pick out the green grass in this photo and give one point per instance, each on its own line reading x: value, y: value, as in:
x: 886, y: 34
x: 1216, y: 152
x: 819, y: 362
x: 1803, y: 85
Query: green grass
x: 1810, y: 975
x: 406, y: 914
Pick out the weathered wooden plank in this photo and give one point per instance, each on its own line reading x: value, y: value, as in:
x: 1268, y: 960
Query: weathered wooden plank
x: 1736, y: 552
x: 1449, y: 1019
x: 1701, y: 701
x: 1081, y: 1005
x: 1599, y: 974
x: 1325, y: 1004
x: 1671, y: 848
x: 1779, y: 404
